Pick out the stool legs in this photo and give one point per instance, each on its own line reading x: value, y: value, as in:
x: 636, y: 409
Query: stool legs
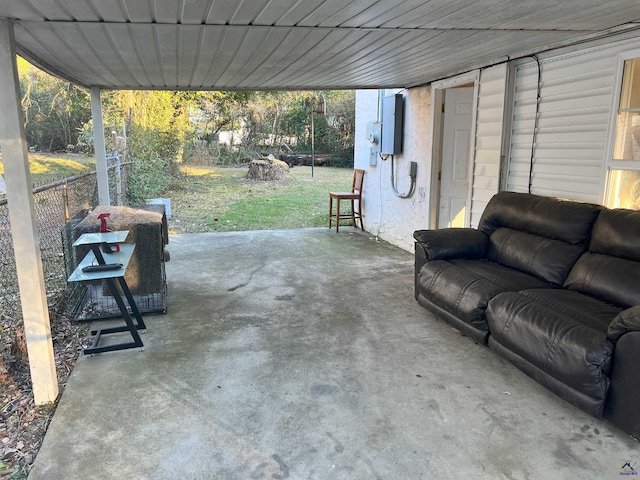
x: 354, y: 214
x: 330, y: 209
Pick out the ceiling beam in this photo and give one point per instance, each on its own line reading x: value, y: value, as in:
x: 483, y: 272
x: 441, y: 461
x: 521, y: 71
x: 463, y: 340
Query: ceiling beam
x: 54, y: 23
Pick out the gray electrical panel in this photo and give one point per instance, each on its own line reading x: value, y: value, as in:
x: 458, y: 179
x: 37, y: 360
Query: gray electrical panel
x: 392, y: 124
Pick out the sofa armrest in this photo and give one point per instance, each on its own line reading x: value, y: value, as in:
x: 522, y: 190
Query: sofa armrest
x: 626, y: 321
x: 449, y: 243
x: 622, y: 399
x: 420, y: 260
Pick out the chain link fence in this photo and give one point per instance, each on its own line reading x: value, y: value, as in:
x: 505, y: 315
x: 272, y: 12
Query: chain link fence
x: 55, y: 204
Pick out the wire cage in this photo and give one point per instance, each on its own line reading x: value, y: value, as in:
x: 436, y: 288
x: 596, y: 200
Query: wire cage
x: 90, y: 301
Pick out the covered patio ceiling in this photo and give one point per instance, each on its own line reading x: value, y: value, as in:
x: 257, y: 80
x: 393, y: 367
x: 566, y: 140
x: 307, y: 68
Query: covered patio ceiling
x: 295, y: 44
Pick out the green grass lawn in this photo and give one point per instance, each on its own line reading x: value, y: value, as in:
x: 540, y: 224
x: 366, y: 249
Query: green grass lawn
x: 221, y: 199
x: 215, y: 199
x: 53, y: 166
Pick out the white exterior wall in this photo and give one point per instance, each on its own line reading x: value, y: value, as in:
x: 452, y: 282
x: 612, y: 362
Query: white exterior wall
x: 391, y: 218
x: 489, y: 138
x: 572, y: 144
x: 395, y: 219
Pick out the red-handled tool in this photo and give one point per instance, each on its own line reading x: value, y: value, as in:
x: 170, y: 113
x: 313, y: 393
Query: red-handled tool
x: 107, y: 247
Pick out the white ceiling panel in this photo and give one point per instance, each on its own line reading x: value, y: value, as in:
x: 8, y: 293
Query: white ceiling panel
x: 125, y: 41
x: 247, y: 11
x: 42, y: 10
x: 299, y: 50
x: 134, y: 12
x: 295, y: 44
x: 226, y: 53
x: 382, y: 12
x: 221, y: 13
x: 190, y: 42
x: 208, y: 50
x: 194, y: 11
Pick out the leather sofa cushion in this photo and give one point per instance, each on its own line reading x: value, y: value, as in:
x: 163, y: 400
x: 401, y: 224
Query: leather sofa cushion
x: 561, y: 332
x: 464, y: 287
x: 549, y: 260
x: 567, y: 221
x: 617, y: 233
x: 611, y: 279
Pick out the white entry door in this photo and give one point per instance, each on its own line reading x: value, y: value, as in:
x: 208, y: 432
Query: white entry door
x: 456, y: 138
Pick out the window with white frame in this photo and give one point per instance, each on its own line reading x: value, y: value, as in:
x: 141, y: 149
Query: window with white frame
x: 623, y: 182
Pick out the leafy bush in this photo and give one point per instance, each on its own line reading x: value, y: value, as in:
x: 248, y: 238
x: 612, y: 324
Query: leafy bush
x: 154, y: 166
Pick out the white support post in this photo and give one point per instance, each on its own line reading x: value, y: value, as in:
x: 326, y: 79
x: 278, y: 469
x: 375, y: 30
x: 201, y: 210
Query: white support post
x: 101, y: 151
x: 23, y: 225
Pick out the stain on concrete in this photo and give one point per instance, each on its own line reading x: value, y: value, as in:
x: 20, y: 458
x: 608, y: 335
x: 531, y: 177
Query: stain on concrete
x: 339, y: 448
x: 263, y: 263
x: 259, y: 471
x: 322, y: 390
x: 285, y: 297
x: 435, y: 407
x: 372, y: 469
x: 284, y: 468
x: 566, y: 456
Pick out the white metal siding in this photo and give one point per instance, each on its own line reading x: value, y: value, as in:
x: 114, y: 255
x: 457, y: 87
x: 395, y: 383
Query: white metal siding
x: 570, y: 151
x: 489, y: 128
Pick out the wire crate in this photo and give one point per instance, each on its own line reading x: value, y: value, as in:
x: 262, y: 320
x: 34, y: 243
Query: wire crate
x: 91, y: 301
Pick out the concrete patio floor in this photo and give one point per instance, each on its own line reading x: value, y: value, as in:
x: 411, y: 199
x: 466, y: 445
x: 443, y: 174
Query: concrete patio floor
x: 302, y: 354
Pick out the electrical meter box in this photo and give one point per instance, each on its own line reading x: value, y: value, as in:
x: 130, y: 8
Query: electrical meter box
x: 374, y: 132
x: 392, y: 124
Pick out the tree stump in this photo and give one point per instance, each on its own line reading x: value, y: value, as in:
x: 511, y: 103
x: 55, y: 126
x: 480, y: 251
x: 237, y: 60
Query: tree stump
x: 267, y: 169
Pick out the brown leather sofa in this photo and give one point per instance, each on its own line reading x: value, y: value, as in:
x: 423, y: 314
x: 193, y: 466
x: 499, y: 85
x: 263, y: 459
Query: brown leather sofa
x: 553, y: 286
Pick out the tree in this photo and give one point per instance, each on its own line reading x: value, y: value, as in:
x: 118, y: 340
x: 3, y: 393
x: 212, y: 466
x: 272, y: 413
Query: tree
x: 214, y: 111
x: 276, y: 121
x: 341, y: 119
x: 55, y: 110
x: 157, y: 128
x: 160, y: 125
x: 334, y: 132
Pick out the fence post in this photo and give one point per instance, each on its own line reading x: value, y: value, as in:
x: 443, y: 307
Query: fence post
x: 65, y: 201
x: 118, y: 180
